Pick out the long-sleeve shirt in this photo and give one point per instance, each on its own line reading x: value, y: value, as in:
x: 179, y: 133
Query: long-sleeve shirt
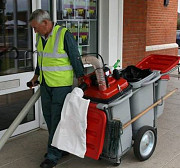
x: 71, y: 48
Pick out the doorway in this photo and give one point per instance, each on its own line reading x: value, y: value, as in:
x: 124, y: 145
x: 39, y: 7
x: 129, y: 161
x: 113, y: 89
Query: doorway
x: 16, y: 65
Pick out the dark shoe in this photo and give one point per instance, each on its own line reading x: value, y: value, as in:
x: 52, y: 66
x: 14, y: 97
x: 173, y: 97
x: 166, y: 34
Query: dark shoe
x: 47, y: 164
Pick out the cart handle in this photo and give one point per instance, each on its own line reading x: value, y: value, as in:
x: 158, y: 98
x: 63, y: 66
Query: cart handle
x: 149, y: 108
x: 152, y: 81
x: 101, y: 106
x: 116, y: 102
x: 159, y: 76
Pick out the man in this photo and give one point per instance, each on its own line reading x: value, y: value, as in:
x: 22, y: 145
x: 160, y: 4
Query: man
x: 58, y: 58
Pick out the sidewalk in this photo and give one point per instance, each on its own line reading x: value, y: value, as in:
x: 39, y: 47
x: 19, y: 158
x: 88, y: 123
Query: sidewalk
x: 27, y: 151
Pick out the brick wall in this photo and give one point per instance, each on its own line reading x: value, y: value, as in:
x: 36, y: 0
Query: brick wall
x: 146, y: 23
x: 161, y: 22
x: 134, y: 31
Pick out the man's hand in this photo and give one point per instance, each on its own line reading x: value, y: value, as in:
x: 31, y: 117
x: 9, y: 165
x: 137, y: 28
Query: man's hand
x: 80, y: 80
x: 33, y: 82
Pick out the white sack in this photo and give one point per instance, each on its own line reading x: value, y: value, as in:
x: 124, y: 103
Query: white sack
x: 70, y: 134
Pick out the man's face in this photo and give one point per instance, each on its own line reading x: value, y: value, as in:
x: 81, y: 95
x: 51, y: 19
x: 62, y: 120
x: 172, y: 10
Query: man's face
x: 39, y: 27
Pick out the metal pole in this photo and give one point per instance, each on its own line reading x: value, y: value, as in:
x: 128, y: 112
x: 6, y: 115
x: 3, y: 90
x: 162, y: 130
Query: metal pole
x: 19, y: 118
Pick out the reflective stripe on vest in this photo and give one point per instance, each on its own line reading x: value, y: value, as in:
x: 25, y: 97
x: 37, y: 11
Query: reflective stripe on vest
x: 60, y: 69
x: 52, y: 55
x: 57, y: 68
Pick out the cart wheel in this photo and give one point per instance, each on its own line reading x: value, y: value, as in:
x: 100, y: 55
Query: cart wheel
x: 145, y: 143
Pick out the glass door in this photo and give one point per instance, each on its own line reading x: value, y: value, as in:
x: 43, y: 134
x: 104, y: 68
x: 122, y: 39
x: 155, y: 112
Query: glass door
x: 16, y: 64
x: 81, y: 18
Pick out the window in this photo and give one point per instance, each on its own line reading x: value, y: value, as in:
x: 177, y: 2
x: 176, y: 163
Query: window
x: 80, y: 17
x: 15, y: 37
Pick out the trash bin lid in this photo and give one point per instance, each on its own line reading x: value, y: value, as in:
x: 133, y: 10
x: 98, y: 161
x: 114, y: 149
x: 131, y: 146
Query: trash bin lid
x: 95, y: 133
x: 163, y: 63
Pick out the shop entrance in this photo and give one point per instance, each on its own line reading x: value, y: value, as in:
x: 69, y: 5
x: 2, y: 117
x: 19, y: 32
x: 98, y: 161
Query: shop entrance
x: 16, y: 64
x: 17, y: 42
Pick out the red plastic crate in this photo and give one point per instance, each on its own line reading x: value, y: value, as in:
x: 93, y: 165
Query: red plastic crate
x: 163, y: 63
x: 96, y: 126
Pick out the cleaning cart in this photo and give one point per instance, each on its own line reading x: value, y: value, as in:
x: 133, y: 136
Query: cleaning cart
x: 146, y: 92
x: 165, y: 64
x: 122, y: 114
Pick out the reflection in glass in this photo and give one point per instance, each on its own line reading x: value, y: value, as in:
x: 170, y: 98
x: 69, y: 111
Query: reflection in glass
x: 11, y: 105
x: 91, y: 9
x: 15, y: 37
x: 73, y: 28
x: 84, y: 33
x: 45, y: 5
x: 80, y: 17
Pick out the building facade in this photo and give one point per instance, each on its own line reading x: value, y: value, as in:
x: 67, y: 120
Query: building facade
x: 149, y: 28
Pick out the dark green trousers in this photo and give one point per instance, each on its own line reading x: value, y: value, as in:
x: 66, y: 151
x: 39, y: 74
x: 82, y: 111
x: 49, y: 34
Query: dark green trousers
x: 52, y: 99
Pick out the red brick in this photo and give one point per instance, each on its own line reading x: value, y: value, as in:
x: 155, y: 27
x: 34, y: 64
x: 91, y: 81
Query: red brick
x: 148, y: 23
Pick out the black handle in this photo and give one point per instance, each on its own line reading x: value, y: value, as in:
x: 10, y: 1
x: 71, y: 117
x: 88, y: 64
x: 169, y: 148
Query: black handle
x: 83, y: 86
x: 29, y: 84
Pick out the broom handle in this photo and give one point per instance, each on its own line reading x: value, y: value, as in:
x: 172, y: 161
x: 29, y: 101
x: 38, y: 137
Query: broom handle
x: 149, y: 108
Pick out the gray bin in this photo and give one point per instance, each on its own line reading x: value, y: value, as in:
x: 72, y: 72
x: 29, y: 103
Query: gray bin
x: 119, y: 110
x: 160, y: 91
x: 138, y: 84
x: 141, y: 99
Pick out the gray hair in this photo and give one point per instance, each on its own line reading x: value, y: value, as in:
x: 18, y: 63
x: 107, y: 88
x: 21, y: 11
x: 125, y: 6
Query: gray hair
x: 39, y: 15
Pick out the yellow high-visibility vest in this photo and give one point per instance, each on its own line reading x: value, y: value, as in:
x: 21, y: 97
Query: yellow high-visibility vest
x: 53, y: 61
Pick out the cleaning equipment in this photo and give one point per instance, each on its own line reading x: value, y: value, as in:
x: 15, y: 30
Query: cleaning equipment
x: 165, y: 64
x: 113, y: 102
x: 126, y: 110
x: 149, y: 83
x: 115, y: 142
x: 95, y: 133
x: 70, y: 134
x: 100, y: 89
x: 98, y: 66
